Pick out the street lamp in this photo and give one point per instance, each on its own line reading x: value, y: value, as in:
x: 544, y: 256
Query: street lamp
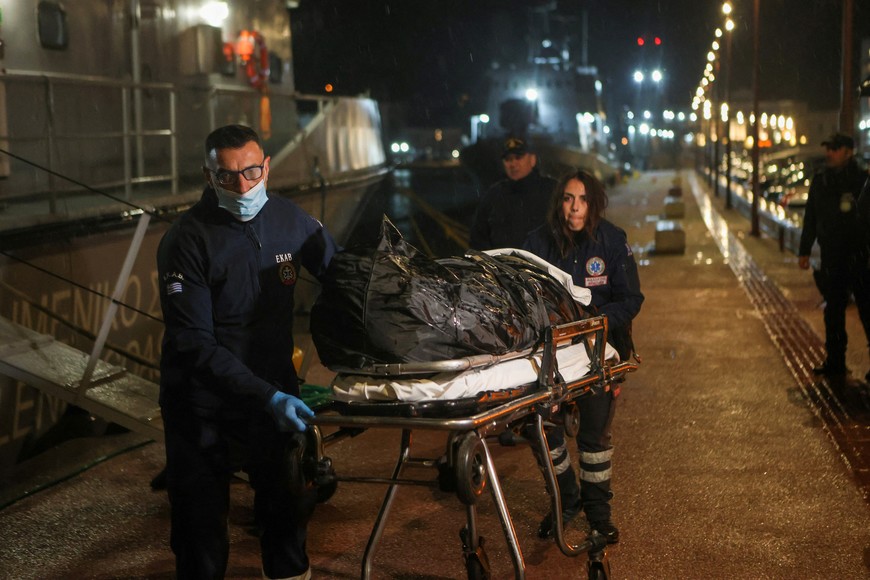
x: 756, y: 68
x: 478, y: 126
x: 729, y: 27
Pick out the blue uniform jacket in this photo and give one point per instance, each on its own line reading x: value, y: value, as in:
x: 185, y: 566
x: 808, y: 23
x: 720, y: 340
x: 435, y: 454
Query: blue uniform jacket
x: 227, y: 293
x: 605, y: 265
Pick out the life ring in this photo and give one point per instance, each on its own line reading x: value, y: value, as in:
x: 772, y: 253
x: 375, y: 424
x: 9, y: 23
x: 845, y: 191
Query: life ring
x: 251, y: 48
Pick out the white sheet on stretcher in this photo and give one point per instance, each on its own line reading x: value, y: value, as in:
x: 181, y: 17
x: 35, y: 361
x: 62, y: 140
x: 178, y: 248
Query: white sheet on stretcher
x: 579, y: 293
x: 572, y: 360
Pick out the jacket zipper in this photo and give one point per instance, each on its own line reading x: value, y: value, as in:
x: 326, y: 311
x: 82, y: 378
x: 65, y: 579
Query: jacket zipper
x: 252, y: 235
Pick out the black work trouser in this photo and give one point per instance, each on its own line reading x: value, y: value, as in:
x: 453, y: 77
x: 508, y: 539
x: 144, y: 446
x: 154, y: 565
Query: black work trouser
x: 594, y: 444
x: 202, y: 453
x: 844, y: 276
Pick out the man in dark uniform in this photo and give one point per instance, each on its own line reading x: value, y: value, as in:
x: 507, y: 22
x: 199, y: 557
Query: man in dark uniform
x: 832, y: 218
x: 228, y: 389
x: 514, y: 206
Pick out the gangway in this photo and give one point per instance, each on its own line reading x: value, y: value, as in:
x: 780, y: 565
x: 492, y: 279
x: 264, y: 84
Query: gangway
x: 58, y: 369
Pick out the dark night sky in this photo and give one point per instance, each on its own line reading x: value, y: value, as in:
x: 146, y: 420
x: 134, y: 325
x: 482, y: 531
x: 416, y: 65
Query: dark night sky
x: 431, y: 53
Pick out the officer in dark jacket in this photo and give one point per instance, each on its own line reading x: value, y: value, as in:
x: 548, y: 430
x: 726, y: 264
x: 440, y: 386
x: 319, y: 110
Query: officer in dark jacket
x: 578, y: 239
x: 228, y: 390
x: 512, y: 207
x: 832, y: 218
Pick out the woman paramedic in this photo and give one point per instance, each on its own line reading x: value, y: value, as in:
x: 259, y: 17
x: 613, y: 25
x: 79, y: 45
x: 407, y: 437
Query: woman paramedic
x: 577, y: 239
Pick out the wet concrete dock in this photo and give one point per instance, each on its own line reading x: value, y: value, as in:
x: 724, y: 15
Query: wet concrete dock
x: 731, y: 460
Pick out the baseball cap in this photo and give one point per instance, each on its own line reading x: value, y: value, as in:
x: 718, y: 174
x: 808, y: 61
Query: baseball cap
x: 515, y: 146
x: 838, y: 140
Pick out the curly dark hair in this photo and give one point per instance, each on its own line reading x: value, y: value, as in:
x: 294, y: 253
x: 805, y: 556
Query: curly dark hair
x: 596, y: 199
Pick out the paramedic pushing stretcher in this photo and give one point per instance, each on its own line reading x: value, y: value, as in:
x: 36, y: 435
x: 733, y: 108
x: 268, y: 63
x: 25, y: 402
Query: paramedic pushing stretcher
x: 577, y: 239
x: 228, y: 391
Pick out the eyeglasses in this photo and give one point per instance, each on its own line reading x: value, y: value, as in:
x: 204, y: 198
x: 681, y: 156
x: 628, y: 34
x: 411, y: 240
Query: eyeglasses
x: 227, y: 177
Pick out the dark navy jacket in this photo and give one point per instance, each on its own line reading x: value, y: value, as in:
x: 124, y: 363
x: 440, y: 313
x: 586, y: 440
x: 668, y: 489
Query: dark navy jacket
x: 832, y: 215
x: 509, y: 210
x: 227, y: 292
x: 605, y: 265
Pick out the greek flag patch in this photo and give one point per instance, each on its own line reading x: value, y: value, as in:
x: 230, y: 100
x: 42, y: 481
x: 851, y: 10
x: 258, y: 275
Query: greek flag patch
x: 173, y: 288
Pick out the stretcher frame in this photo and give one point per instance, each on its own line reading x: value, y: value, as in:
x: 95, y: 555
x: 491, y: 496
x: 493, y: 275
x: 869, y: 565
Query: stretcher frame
x: 551, y: 399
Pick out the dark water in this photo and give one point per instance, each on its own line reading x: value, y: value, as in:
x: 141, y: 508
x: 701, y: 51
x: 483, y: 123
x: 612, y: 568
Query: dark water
x: 431, y: 207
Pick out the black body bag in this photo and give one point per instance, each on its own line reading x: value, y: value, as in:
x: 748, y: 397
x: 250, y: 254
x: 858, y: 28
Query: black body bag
x: 388, y: 303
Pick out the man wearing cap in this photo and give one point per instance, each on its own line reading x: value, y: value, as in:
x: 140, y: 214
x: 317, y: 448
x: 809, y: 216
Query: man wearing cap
x: 512, y: 207
x: 832, y: 218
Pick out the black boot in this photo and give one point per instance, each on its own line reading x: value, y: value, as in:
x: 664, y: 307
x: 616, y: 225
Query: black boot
x: 606, y: 529
x: 596, y: 503
x: 569, y: 493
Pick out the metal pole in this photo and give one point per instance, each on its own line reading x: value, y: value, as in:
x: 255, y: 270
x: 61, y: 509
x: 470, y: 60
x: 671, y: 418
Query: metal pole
x: 717, y: 104
x: 708, y: 154
x: 125, y: 136
x: 117, y: 295
x: 847, y: 117
x: 49, y: 141
x: 728, y: 120
x: 173, y: 140
x: 136, y: 65
x: 756, y: 43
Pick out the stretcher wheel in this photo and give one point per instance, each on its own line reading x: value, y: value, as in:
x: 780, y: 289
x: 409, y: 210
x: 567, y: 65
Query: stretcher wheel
x: 476, y: 561
x: 598, y: 566
x: 326, y: 491
x: 571, y: 419
x: 470, y: 470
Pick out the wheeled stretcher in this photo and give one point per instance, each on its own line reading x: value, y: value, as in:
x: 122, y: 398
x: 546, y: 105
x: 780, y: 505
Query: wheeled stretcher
x: 573, y: 361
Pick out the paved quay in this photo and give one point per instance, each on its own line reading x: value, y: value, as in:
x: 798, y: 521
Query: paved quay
x: 725, y: 466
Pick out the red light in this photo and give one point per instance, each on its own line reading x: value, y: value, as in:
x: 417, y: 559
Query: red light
x: 328, y: 87
x: 658, y: 41
x: 640, y: 40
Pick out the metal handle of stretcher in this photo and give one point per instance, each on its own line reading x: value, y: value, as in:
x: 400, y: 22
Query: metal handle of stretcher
x: 513, y: 409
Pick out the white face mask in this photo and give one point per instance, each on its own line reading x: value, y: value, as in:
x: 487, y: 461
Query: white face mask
x: 243, y: 207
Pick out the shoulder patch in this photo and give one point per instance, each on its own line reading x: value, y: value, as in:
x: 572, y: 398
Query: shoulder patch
x: 173, y: 282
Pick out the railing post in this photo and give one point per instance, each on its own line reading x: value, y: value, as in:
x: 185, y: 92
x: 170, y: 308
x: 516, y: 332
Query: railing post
x: 125, y: 136
x: 117, y: 295
x: 49, y: 144
x: 173, y: 140
x: 210, y: 103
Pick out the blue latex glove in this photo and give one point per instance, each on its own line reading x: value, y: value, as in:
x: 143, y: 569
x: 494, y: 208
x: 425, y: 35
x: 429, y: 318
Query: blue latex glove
x: 289, y: 411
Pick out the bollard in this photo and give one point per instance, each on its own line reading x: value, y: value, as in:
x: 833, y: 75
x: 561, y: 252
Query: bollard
x: 674, y: 208
x: 670, y: 237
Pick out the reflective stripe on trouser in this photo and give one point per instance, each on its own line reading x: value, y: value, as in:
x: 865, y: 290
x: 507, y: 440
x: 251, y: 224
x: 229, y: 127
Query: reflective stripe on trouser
x: 561, y: 458
x: 555, y: 436
x: 595, y: 484
x: 565, y: 476
x: 595, y: 467
x: 596, y: 451
x: 569, y: 492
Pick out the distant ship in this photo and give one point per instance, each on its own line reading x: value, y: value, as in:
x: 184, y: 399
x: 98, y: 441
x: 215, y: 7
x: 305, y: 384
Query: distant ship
x: 548, y: 98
